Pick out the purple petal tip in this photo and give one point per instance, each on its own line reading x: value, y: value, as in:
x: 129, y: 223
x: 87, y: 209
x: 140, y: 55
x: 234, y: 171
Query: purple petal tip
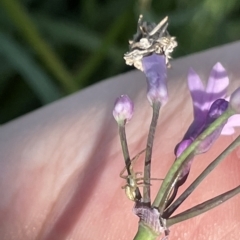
x: 219, y: 67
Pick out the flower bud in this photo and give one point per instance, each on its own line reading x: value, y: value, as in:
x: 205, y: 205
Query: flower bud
x: 217, y: 108
x: 123, y: 109
x: 235, y: 100
x: 184, y: 144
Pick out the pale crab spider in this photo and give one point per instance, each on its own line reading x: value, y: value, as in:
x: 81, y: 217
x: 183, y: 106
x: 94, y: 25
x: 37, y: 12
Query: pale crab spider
x: 133, y: 181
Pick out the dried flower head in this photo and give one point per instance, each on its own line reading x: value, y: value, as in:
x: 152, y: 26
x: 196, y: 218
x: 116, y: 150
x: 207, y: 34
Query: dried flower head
x: 150, y: 38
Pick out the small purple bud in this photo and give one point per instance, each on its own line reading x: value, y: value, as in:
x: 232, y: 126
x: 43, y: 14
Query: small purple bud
x: 155, y: 69
x: 216, y: 110
x: 179, y: 149
x: 235, y: 100
x: 123, y: 109
x: 207, y: 143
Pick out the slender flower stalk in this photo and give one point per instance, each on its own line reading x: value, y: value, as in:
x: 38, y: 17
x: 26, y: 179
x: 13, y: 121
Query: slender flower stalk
x: 169, y: 211
x: 131, y: 189
x: 203, y: 207
x: 123, y: 112
x: 161, y: 198
x: 148, y: 157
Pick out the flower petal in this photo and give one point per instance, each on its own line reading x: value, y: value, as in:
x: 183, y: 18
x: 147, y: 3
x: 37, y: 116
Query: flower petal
x: 217, y: 108
x: 197, y: 92
x: 217, y: 85
x: 233, y: 121
x: 154, y: 67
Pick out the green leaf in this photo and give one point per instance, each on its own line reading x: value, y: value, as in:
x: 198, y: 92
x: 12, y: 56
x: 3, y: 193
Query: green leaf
x: 20, y: 17
x: 66, y: 32
x: 25, y: 65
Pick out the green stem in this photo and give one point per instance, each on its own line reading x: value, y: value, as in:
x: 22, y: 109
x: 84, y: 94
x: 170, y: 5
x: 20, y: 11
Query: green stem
x: 123, y: 140
x: 202, y: 176
x: 163, y: 192
x: 203, y: 207
x: 148, y: 157
x: 145, y: 233
x: 24, y: 24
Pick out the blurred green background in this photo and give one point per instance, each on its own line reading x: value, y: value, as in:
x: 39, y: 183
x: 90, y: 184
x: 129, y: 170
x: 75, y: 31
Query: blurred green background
x: 51, y: 48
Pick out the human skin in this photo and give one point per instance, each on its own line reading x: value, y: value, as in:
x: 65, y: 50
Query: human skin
x: 60, y: 165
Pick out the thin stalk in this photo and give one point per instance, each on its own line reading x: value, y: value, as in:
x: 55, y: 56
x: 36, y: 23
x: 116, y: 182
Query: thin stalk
x: 24, y: 24
x: 176, y: 184
x: 200, y: 178
x: 148, y: 157
x: 203, y: 207
x: 123, y: 140
x: 160, y: 200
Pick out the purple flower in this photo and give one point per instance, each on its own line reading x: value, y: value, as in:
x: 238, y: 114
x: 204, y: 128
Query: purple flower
x: 155, y: 69
x: 208, y: 104
x: 123, y: 109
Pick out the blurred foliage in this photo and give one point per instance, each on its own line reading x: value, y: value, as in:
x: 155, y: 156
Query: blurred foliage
x: 51, y: 48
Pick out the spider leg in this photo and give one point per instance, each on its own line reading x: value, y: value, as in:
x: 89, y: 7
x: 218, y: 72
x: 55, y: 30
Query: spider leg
x: 123, y: 176
x: 157, y: 179
x: 130, y: 166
